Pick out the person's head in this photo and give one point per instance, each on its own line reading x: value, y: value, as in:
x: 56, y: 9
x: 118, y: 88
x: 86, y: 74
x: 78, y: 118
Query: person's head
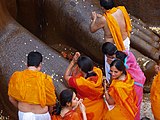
x: 121, y: 55
x: 34, y: 59
x: 107, y: 4
x: 67, y: 98
x: 86, y: 65
x: 109, y: 49
x: 117, y: 68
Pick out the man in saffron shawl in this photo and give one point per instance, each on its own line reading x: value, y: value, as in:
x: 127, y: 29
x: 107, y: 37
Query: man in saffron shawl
x: 32, y: 91
x: 116, y: 25
x: 115, y: 22
x: 155, y: 93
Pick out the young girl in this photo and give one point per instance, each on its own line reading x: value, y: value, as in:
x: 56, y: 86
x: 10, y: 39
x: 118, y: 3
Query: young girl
x: 65, y: 110
x: 121, y: 94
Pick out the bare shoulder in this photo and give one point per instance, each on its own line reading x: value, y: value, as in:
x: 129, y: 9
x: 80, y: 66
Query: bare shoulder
x: 118, y: 12
x: 99, y: 15
x: 101, y: 19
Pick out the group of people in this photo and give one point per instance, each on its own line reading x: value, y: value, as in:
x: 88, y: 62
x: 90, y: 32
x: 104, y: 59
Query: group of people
x: 91, y: 96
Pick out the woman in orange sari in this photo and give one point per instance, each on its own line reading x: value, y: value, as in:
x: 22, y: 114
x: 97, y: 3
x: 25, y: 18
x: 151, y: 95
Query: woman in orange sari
x: 65, y: 110
x: 88, y: 84
x: 155, y: 93
x: 121, y: 94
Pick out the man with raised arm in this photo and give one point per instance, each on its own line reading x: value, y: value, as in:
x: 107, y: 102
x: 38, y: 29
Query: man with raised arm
x: 115, y: 22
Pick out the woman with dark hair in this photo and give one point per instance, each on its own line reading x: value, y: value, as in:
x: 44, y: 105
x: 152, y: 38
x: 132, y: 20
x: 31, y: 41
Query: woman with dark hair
x: 121, y: 94
x: 88, y: 84
x: 132, y: 67
x: 65, y: 109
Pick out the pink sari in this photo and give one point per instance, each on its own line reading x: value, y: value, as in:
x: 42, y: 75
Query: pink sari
x: 138, y: 76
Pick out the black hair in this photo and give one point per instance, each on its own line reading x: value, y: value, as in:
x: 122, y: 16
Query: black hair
x: 34, y: 59
x: 107, y: 4
x: 121, y: 55
x: 109, y: 48
x: 86, y: 65
x: 119, y: 65
x: 65, y: 97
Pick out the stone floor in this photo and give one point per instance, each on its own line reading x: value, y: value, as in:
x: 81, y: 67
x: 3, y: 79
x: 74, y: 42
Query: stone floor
x: 146, y: 107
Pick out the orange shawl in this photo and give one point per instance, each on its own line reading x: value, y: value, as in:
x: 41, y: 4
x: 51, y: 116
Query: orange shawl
x: 32, y: 87
x: 91, y: 90
x: 124, y: 95
x: 155, y: 96
x: 93, y: 85
x: 114, y: 27
x: 71, y: 115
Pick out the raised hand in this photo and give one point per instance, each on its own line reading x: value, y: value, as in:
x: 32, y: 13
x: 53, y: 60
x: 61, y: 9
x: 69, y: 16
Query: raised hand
x: 76, y: 56
x: 81, y: 106
x: 94, y: 16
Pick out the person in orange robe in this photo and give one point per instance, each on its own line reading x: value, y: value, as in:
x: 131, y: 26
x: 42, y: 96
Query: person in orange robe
x: 132, y: 67
x: 88, y: 84
x: 115, y: 23
x: 121, y: 94
x: 155, y: 94
x: 32, y: 91
x: 65, y: 109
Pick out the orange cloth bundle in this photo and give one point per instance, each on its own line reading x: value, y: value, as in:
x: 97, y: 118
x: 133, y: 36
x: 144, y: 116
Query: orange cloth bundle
x: 91, y: 87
